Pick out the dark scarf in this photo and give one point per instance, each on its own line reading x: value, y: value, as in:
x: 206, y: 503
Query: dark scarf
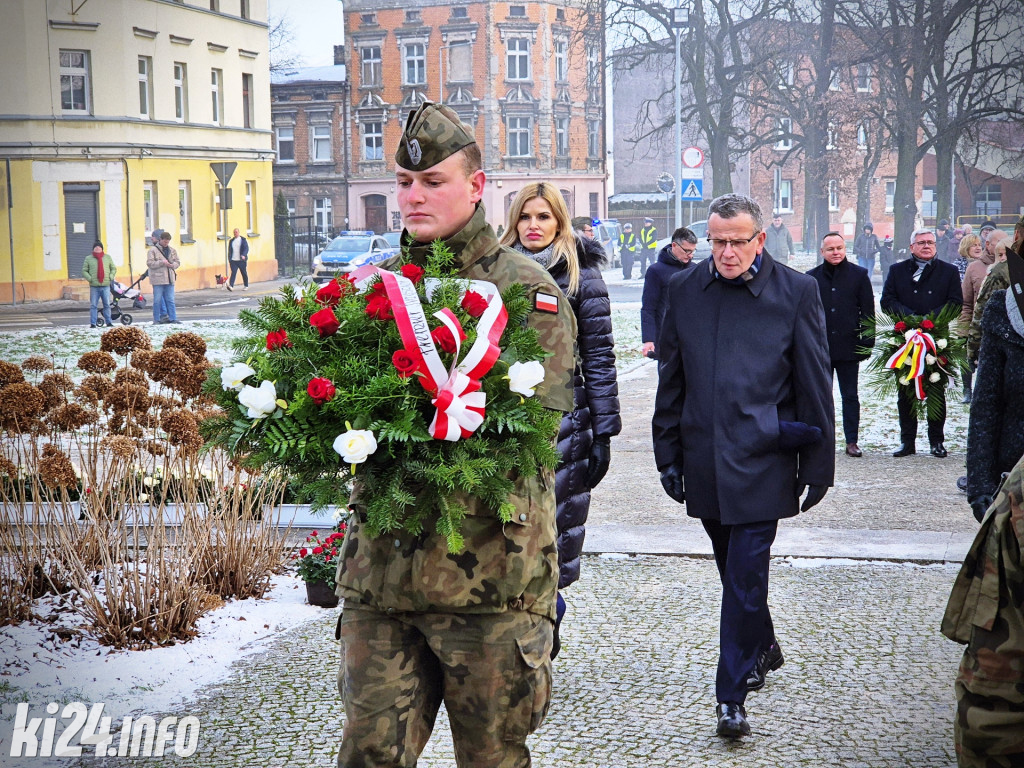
x: 99, y: 263
x: 739, y: 279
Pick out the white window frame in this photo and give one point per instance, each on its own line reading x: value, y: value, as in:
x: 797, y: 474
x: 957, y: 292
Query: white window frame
x: 323, y: 213
x: 785, y: 196
x: 370, y: 71
x: 218, y: 211
x: 833, y: 194
x: 146, y: 87
x: 180, y: 75
x: 185, y: 209
x: 69, y: 74
x: 561, y: 61
x: 593, y: 138
x: 414, y: 64
x: 890, y: 195
x: 373, y: 140
x: 288, y: 140
x: 562, y: 136
x: 250, y: 206
x: 833, y: 80
x: 517, y: 59
x: 319, y: 137
x: 831, y: 137
x: 248, y: 111
x: 149, y: 205
x: 519, y: 130
x: 863, y: 79
x: 785, y: 141
x: 217, y: 96
x: 593, y: 67
x: 787, y: 74
x: 289, y: 204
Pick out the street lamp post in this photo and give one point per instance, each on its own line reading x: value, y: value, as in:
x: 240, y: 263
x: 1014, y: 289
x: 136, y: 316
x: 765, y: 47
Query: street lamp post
x: 680, y: 21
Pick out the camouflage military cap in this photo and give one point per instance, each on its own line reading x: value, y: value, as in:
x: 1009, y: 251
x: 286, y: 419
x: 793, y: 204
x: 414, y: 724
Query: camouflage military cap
x: 432, y: 133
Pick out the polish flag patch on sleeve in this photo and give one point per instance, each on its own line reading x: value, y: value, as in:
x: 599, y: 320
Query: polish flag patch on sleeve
x: 545, y: 302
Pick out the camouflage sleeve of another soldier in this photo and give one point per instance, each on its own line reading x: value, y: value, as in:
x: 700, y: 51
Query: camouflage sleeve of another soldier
x: 555, y: 323
x: 986, y: 611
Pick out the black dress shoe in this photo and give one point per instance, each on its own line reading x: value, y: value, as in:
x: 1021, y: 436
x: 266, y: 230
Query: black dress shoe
x: 852, y: 449
x: 906, y: 449
x: 961, y: 483
x: 768, y: 660
x: 732, y: 720
x: 939, y: 451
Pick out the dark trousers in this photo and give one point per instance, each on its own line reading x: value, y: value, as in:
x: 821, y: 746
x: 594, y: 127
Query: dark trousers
x: 908, y: 419
x: 236, y: 267
x: 846, y: 374
x: 742, y: 553
x: 643, y: 256
x: 627, y: 263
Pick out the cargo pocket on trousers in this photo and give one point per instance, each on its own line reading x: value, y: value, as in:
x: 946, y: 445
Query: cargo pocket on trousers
x: 530, y: 692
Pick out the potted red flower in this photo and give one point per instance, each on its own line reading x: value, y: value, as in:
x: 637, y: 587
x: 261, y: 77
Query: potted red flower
x: 317, y: 560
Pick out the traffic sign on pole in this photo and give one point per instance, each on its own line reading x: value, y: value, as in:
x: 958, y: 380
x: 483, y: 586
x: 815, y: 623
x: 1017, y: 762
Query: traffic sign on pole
x: 693, y: 157
x: 693, y: 189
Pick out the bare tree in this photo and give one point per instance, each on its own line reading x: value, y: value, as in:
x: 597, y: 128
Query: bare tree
x: 282, y: 55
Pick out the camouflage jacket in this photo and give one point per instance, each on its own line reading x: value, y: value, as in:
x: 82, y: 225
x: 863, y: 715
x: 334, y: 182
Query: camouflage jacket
x: 997, y: 280
x: 502, y: 566
x: 986, y: 608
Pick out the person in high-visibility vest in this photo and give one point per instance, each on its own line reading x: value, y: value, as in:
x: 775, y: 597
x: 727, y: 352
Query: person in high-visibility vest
x: 648, y: 252
x: 628, y: 247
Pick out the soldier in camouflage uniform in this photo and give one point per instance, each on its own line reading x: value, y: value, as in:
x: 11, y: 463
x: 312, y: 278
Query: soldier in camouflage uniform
x: 421, y: 626
x: 986, y: 611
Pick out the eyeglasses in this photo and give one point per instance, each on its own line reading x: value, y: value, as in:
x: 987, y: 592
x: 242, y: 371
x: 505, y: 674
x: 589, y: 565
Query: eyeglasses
x: 588, y: 230
x: 688, y: 251
x: 925, y: 242
x: 719, y: 245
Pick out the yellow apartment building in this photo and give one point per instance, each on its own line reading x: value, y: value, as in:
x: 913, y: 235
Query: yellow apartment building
x: 118, y: 117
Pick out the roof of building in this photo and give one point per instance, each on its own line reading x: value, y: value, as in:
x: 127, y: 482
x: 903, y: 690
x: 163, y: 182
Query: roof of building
x: 335, y: 73
x: 637, y: 197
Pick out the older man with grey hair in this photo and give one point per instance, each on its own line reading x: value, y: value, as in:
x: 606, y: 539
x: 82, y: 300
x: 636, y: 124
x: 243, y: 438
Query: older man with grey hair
x: 921, y: 285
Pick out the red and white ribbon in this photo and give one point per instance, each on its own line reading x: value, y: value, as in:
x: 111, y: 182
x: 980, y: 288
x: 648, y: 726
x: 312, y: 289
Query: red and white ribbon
x: 457, y: 396
x: 912, y: 354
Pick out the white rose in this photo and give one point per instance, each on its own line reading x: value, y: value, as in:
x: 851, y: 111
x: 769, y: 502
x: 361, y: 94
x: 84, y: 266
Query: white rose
x: 524, y: 377
x: 905, y: 380
x: 355, y: 445
x: 232, y: 376
x: 261, y: 401
x: 908, y: 335
x: 929, y: 359
x: 941, y: 343
x: 148, y: 481
x: 934, y: 377
x: 143, y: 497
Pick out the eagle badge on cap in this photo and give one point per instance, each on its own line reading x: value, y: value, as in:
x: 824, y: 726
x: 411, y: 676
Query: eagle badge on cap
x: 415, y: 152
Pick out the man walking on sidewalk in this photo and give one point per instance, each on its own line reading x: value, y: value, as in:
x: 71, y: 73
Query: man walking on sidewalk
x: 743, y: 425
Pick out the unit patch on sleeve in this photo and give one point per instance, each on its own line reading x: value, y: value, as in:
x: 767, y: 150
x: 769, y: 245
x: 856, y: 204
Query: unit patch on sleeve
x: 545, y: 302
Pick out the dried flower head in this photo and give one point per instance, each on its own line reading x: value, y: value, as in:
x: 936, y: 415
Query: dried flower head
x: 56, y: 469
x: 140, y: 358
x: 10, y: 374
x: 8, y: 468
x: 37, y: 363
x: 191, y: 344
x: 125, y: 339
x: 178, y: 423
x: 97, y: 362
x: 53, y: 386
x: 87, y: 397
x: 188, y: 384
x: 132, y: 376
x: 119, y: 423
x: 22, y: 401
x: 71, y: 416
x: 154, y: 447
x: 122, y: 447
x: 127, y: 397
x: 99, y: 385
x: 166, y: 363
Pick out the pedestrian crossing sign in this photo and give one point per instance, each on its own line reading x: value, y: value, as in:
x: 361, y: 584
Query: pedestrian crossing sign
x: 694, y: 189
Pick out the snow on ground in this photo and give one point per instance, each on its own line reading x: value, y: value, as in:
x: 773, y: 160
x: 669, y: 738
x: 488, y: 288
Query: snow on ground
x: 45, y: 668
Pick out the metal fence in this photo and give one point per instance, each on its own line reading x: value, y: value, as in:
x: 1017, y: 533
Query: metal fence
x: 664, y: 216
x: 297, y: 241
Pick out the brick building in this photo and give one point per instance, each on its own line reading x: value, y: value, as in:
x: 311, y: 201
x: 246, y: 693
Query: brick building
x: 528, y: 78
x: 309, y: 112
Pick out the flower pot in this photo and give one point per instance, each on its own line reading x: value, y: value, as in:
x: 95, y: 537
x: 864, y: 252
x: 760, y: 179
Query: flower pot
x: 318, y: 593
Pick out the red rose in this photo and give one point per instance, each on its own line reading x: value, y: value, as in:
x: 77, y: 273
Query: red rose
x: 334, y: 551
x: 330, y: 294
x: 404, y: 363
x: 379, y: 308
x: 327, y: 557
x: 443, y: 338
x: 474, y: 303
x: 312, y: 534
x: 927, y: 324
x: 900, y: 326
x: 412, y: 272
x: 318, y: 550
x: 277, y: 339
x: 320, y: 390
x: 303, y: 552
x: 379, y: 289
x: 325, y: 322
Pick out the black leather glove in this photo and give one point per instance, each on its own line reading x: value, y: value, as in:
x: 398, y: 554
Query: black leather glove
x: 796, y: 434
x: 600, y: 457
x: 815, y: 493
x: 980, y: 505
x: 672, y: 482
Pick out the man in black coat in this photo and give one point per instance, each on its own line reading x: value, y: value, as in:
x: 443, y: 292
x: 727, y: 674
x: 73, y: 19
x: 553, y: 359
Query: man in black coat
x: 849, y: 304
x: 743, y: 424
x: 673, y: 258
x: 921, y: 285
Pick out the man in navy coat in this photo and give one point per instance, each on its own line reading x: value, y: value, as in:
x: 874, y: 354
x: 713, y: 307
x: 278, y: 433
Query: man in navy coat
x: 674, y: 257
x: 849, y: 306
x: 743, y: 424
x: 921, y: 285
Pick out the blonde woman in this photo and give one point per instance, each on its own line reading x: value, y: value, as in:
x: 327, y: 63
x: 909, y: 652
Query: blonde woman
x: 539, y: 227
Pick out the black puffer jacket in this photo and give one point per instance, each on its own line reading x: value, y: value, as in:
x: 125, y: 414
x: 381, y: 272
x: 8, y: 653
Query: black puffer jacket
x: 596, y: 411
x: 995, y: 435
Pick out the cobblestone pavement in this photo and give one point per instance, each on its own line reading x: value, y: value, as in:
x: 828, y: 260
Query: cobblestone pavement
x: 867, y: 680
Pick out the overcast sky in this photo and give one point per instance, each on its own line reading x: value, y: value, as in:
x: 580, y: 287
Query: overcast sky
x: 316, y: 27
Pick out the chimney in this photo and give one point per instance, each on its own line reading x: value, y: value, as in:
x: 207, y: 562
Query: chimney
x: 339, y: 54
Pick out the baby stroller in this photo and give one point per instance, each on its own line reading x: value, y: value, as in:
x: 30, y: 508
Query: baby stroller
x: 120, y: 291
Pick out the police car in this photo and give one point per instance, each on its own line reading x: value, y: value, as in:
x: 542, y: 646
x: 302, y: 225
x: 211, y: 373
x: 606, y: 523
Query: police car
x: 348, y: 251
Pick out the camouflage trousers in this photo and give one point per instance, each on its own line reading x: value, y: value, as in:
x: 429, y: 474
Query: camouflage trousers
x: 492, y: 671
x: 989, y: 727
